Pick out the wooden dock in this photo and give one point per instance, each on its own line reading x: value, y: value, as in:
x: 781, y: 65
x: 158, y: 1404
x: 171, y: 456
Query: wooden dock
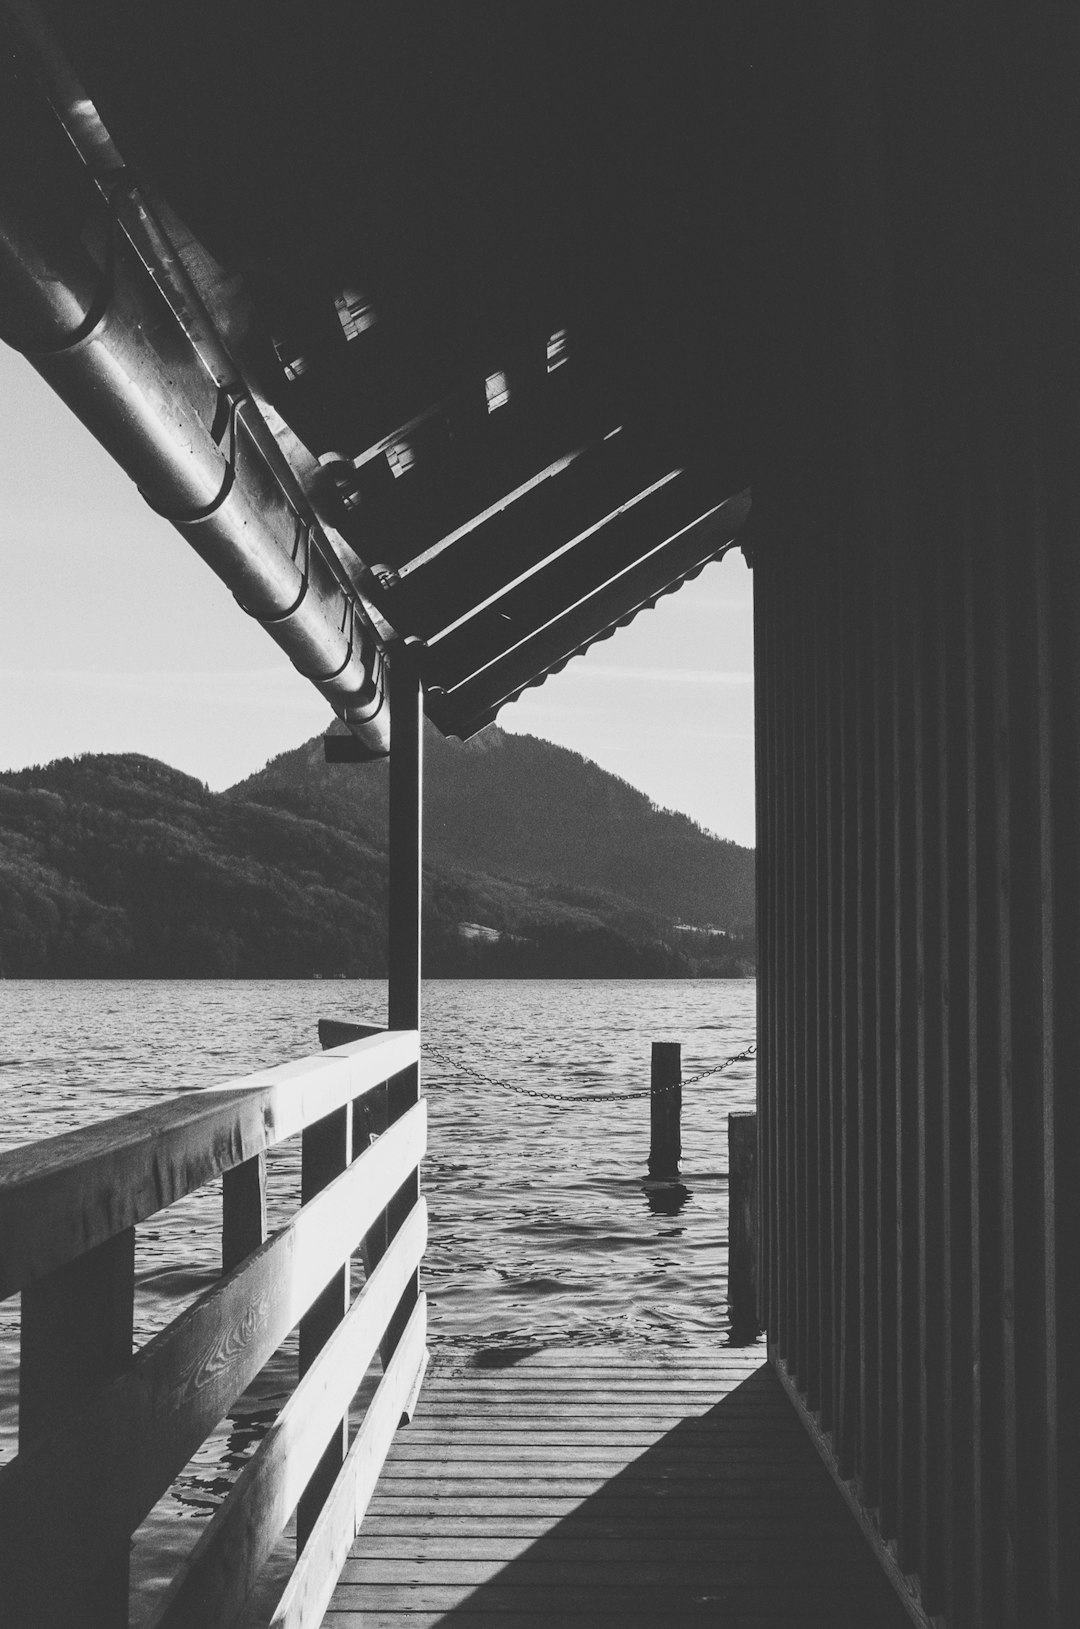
x: 572, y: 1489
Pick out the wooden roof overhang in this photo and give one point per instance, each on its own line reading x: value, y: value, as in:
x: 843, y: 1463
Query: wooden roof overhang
x: 482, y: 269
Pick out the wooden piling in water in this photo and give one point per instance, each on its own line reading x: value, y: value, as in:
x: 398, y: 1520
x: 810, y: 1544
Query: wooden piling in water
x: 665, y: 1110
x: 742, y: 1228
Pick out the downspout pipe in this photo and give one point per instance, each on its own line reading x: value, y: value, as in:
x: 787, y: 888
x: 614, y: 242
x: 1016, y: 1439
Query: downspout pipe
x: 78, y: 302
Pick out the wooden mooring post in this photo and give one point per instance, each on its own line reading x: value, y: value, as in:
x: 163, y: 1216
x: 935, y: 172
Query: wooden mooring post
x: 665, y: 1111
x: 742, y: 1228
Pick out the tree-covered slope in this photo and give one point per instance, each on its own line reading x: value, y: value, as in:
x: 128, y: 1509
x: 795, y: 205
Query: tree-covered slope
x: 116, y: 865
x: 515, y: 806
x: 120, y: 865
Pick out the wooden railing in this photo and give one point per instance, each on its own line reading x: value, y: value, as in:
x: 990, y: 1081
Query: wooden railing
x: 103, y: 1433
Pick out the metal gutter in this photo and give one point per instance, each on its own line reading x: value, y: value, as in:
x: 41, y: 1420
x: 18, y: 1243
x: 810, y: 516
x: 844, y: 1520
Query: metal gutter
x: 161, y: 394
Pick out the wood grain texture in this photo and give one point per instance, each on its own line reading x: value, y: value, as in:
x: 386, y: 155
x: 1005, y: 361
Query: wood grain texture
x: 97, y: 1473
x: 665, y: 1110
x: 718, y: 1511
x: 325, y: 1153
x: 406, y: 783
x: 76, y: 1336
x: 218, y: 1575
x: 742, y: 1226
x: 62, y: 1196
x: 405, y: 891
x: 918, y: 781
x: 243, y: 1211
x: 311, y: 1585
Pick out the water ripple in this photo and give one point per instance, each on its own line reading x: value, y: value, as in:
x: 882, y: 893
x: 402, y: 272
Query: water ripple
x: 542, y: 1233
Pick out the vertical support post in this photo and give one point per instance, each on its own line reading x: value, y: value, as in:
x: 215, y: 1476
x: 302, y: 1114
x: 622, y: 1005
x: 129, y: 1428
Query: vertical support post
x: 742, y: 1229
x: 406, y: 881
x: 243, y: 1211
x: 369, y: 1118
x: 324, y: 1154
x: 77, y: 1336
x: 665, y: 1110
x: 406, y: 838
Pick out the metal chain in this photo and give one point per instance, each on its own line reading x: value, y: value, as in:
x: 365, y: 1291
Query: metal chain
x: 581, y: 1097
x: 736, y: 1057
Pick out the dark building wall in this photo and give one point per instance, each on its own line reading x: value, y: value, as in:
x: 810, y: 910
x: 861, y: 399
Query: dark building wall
x: 917, y: 576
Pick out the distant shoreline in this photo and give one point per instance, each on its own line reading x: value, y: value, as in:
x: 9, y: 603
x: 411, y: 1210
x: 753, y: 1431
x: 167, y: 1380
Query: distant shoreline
x: 360, y: 978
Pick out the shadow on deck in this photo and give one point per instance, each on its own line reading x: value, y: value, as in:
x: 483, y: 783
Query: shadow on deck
x: 578, y: 1489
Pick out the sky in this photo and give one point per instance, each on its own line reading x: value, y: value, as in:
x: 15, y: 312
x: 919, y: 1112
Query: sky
x: 117, y: 638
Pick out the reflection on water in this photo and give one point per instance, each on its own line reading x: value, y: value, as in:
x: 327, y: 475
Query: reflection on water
x: 539, y: 1236
x: 665, y: 1198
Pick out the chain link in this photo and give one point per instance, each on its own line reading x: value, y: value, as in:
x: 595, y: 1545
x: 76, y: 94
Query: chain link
x: 581, y: 1097
x: 736, y: 1057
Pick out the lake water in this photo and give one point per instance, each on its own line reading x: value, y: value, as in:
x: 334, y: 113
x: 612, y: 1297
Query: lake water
x: 541, y: 1231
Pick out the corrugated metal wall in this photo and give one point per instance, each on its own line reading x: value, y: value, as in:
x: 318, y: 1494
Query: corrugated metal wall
x: 917, y: 578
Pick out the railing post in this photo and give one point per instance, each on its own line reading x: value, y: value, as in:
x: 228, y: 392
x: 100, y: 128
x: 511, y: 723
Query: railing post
x: 742, y: 1229
x: 369, y: 1117
x: 77, y: 1334
x: 324, y: 1154
x: 243, y: 1211
x: 665, y: 1110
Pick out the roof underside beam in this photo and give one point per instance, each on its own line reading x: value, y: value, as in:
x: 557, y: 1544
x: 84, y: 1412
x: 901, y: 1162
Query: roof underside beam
x: 80, y: 304
x: 460, y: 381
x: 473, y: 701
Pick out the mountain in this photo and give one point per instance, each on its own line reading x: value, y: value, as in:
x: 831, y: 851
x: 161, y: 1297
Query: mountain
x: 515, y: 806
x: 539, y: 864
x: 119, y: 865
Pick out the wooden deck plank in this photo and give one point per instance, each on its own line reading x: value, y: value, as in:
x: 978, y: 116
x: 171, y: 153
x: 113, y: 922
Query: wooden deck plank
x: 684, y: 1520
x: 593, y: 1489
x: 745, y: 1549
x: 410, y: 1618
x: 697, y: 1570
x: 576, y: 1594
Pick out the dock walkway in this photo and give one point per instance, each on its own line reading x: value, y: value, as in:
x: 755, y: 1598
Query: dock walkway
x: 579, y: 1488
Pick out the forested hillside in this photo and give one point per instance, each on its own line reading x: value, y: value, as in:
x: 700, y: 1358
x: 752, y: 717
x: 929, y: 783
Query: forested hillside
x: 512, y: 805
x: 120, y: 866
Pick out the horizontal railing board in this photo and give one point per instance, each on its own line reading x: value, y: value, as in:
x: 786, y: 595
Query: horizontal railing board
x: 216, y: 1578
x: 63, y: 1195
x: 311, y: 1586
x: 99, y: 1473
